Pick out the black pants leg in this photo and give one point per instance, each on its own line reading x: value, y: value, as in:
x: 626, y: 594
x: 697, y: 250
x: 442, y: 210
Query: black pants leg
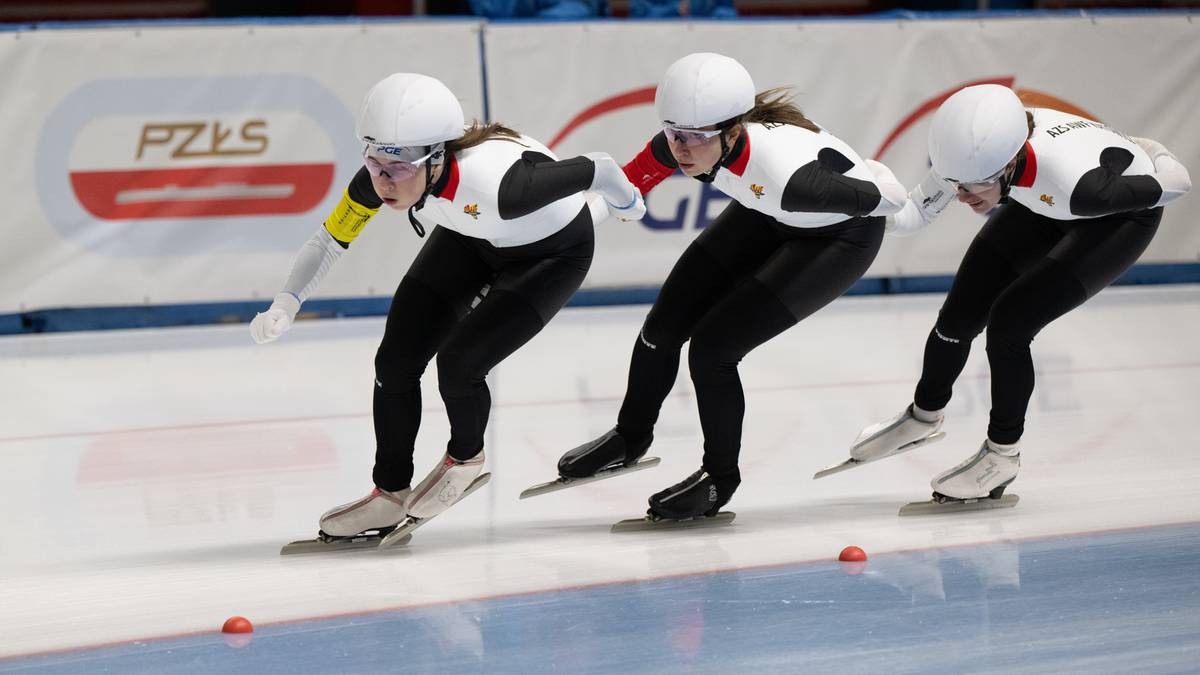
x: 1089, y: 257
x: 1020, y: 273
x: 532, y: 284
x: 427, y: 306
x: 736, y: 243
x: 803, y: 275
x: 1010, y: 241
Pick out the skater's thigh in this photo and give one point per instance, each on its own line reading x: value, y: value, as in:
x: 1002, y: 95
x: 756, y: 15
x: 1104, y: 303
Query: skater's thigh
x: 1012, y: 240
x: 729, y: 250
x: 1099, y: 251
x: 452, y: 268
x: 807, y: 273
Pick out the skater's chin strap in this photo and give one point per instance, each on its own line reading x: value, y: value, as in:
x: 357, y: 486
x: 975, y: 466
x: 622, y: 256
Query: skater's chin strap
x: 412, y: 219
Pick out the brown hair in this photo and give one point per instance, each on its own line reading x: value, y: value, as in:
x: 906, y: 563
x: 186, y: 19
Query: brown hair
x: 479, y: 132
x: 1029, y: 123
x: 776, y: 106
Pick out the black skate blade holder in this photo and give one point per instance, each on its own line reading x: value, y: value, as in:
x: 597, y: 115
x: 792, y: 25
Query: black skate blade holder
x: 648, y: 523
x: 563, y: 482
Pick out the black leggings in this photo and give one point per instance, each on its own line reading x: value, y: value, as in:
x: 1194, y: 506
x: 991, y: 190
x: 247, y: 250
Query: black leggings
x: 744, y: 280
x: 432, y: 313
x: 1021, y: 272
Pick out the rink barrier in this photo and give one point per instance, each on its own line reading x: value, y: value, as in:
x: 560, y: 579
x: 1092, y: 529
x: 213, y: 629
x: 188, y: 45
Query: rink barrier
x: 208, y: 313
x: 890, y: 15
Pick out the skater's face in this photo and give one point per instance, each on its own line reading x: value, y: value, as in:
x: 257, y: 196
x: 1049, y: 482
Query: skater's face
x: 698, y: 151
x: 983, y: 197
x: 398, y: 183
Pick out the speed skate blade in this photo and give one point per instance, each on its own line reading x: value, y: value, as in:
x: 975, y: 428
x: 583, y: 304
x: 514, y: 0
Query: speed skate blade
x: 563, y: 483
x: 853, y: 463
x: 337, y: 545
x: 930, y: 507
x: 403, y: 532
x: 646, y: 523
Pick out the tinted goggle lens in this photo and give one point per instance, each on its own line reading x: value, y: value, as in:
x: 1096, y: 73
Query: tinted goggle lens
x: 395, y: 163
x: 689, y: 137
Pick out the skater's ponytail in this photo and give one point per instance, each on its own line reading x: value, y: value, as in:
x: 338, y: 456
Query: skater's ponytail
x: 777, y: 106
x: 479, y: 132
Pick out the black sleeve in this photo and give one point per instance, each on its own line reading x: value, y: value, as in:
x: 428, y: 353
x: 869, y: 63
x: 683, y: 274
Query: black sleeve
x: 821, y: 187
x: 662, y: 151
x: 1103, y: 190
x: 535, y: 180
x: 362, y: 191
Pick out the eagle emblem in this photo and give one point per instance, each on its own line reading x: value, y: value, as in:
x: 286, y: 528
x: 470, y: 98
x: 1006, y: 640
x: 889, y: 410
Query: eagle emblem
x: 757, y: 190
x: 1048, y: 199
x: 472, y: 210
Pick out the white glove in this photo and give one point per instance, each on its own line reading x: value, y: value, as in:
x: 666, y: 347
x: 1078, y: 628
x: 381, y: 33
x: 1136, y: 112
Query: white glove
x: 1171, y: 174
x: 1153, y: 148
x: 925, y: 202
x: 609, y: 181
x: 891, y: 192
x: 269, y: 325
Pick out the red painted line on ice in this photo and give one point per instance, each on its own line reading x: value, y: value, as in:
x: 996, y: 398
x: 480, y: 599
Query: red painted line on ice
x: 589, y: 586
x: 566, y: 401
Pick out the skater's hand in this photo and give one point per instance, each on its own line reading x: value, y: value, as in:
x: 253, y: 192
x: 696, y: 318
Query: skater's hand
x: 269, y: 325
x: 609, y: 181
x: 633, y: 211
x: 1152, y: 148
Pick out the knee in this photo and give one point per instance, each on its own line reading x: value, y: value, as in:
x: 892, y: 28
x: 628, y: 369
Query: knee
x: 662, y: 332
x: 398, y: 368
x: 1008, y: 327
x: 958, y: 326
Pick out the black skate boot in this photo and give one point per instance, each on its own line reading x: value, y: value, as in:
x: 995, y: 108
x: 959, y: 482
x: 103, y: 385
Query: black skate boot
x: 612, y: 454
x: 610, y: 450
x: 695, y: 501
x: 700, y: 494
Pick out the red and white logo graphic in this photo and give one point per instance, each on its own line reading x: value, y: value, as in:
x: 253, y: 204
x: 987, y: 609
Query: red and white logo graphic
x: 195, y: 166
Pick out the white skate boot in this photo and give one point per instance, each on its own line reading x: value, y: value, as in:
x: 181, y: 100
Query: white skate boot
x: 892, y: 437
x: 378, y: 510
x: 358, y: 524
x: 448, y: 483
x: 978, y: 482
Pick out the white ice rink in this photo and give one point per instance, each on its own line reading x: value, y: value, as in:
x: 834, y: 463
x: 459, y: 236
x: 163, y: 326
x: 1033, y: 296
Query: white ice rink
x: 149, y: 477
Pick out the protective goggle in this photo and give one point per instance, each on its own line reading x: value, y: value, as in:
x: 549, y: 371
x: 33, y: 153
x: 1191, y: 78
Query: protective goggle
x: 979, y: 185
x: 689, y: 137
x: 398, y: 163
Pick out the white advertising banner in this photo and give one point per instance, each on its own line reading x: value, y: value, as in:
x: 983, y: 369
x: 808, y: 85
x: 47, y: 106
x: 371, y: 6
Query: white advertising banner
x: 184, y: 164
x: 168, y: 165
x: 875, y: 84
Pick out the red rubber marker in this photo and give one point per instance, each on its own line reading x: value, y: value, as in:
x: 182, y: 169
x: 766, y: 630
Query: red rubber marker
x: 237, y: 624
x: 853, y: 554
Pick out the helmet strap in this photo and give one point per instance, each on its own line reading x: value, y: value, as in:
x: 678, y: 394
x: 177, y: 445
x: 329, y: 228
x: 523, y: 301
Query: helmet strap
x: 1007, y: 178
x: 725, y: 150
x: 412, y: 219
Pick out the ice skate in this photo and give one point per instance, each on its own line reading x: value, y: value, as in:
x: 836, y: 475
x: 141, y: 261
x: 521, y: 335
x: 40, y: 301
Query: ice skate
x: 605, y: 457
x: 886, y: 439
x: 695, y: 501
x: 328, y: 544
x: 444, y: 487
x: 359, y: 524
x: 976, y: 484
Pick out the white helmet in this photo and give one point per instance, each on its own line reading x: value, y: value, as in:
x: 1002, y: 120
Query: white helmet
x: 406, y: 110
x: 976, y: 132
x: 702, y: 89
